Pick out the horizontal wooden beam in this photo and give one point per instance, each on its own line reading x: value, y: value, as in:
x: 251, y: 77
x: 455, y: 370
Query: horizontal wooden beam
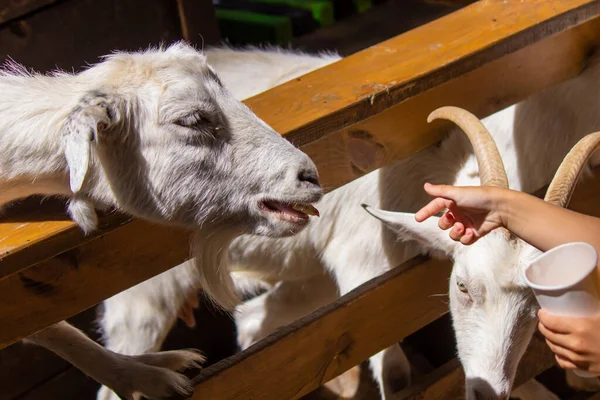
x: 412, y: 69
x: 309, y: 352
x: 455, y: 60
x: 372, y: 81
x: 403, y: 129
x: 448, y: 381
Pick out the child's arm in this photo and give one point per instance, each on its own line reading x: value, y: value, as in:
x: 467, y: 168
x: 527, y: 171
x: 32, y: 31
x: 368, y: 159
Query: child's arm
x: 475, y: 211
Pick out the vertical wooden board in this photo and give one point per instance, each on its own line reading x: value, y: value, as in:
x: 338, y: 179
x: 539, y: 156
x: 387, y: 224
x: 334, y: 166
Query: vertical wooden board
x: 72, y: 33
x: 198, y: 21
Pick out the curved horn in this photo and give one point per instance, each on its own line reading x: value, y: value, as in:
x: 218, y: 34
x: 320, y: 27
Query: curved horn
x: 561, y: 188
x: 491, y: 168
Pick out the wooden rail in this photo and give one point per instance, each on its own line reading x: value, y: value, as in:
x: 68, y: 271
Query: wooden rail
x: 348, y: 111
x: 309, y: 352
x: 448, y: 381
x: 351, y: 117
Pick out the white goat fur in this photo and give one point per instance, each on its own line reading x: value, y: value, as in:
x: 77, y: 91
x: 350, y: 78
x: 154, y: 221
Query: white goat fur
x: 156, y: 135
x: 353, y: 247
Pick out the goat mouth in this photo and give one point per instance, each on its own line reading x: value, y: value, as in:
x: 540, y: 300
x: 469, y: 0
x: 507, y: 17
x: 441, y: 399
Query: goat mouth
x: 290, y: 212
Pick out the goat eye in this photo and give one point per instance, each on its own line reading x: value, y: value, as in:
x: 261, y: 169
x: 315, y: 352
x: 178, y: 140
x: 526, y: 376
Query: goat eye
x: 194, y: 121
x: 462, y: 287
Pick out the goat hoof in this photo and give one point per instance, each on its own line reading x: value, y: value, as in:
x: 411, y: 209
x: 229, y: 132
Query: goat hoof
x: 154, y: 376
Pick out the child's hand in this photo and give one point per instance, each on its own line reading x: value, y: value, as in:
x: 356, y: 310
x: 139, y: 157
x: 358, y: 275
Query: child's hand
x: 472, y: 211
x: 574, y: 341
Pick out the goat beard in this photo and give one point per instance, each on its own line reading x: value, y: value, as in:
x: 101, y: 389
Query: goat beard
x: 210, y: 247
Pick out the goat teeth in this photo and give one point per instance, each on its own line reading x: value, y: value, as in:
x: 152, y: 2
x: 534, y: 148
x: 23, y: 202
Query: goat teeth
x: 306, y: 209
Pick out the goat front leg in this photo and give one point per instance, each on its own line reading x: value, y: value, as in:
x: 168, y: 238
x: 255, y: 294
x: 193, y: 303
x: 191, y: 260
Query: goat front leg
x: 138, y: 320
x: 151, y: 375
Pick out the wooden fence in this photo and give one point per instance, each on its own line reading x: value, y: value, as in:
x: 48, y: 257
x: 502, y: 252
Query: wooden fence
x: 483, y: 57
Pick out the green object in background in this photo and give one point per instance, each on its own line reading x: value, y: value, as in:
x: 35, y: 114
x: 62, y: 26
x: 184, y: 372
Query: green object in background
x: 322, y: 10
x: 345, y: 8
x: 362, y: 5
x: 243, y: 27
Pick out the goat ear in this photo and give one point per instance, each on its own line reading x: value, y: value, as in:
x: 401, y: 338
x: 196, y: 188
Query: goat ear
x: 426, y: 233
x: 91, y: 119
x: 90, y: 122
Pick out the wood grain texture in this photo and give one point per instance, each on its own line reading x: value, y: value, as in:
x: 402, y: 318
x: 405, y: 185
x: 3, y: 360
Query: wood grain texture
x: 373, y: 80
x: 199, y: 24
x: 71, y: 33
x: 403, y: 129
x: 140, y: 251
x: 456, y: 51
x: 304, y: 355
x: 448, y: 381
x: 78, y: 279
x: 307, y: 353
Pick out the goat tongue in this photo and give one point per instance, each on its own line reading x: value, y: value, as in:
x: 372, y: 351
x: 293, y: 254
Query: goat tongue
x: 306, y: 209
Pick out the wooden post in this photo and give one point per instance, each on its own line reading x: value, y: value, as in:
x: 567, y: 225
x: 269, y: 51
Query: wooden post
x: 199, y: 24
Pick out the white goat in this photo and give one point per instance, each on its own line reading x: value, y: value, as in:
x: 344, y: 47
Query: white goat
x: 490, y: 302
x: 353, y: 247
x: 156, y: 135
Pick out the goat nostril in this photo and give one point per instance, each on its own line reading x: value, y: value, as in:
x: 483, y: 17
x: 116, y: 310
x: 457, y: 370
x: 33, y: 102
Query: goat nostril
x: 310, y: 176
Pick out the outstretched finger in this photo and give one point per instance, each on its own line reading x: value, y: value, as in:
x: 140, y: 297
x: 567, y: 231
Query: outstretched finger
x: 433, y: 207
x: 446, y: 191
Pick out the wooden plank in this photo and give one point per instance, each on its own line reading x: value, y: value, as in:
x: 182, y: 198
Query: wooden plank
x: 71, y: 33
x: 339, y: 336
x: 347, y: 36
x: 448, y: 381
x: 78, y: 279
x: 63, y: 385
x: 304, y: 355
x: 199, y: 24
x: 12, y: 9
x: 353, y: 89
x: 401, y: 130
x: 59, y: 237
x: 334, y: 97
x: 82, y: 278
